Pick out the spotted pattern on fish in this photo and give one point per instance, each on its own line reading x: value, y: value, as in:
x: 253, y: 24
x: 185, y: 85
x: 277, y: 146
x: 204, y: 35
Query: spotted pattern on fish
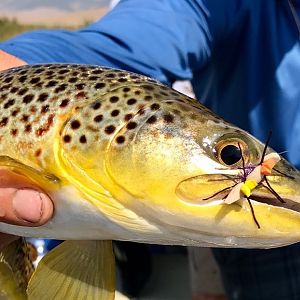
x: 93, y: 103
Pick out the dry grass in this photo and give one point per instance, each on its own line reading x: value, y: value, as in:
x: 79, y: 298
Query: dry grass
x: 9, y: 28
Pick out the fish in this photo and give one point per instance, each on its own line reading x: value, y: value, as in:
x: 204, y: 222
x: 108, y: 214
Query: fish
x: 125, y: 157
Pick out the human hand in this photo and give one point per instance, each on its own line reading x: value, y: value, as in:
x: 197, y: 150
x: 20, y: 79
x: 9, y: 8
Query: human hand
x: 21, y: 203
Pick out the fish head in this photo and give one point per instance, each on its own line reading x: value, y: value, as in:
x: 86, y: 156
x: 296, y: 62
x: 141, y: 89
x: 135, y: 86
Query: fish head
x: 112, y: 147
x: 179, y: 164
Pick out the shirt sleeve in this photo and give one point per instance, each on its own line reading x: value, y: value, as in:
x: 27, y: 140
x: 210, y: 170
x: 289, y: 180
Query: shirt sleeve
x: 165, y: 39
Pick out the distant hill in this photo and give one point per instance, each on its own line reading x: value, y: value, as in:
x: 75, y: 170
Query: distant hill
x: 68, y: 5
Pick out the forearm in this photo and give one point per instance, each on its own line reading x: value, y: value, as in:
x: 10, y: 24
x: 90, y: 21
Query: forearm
x: 8, y: 61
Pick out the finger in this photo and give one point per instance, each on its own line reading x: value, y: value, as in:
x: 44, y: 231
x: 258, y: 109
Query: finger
x: 25, y: 207
x: 21, y: 202
x: 9, y: 61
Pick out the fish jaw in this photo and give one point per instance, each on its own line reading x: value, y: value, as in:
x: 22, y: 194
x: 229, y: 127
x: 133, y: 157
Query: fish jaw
x: 171, y: 172
x: 278, y: 222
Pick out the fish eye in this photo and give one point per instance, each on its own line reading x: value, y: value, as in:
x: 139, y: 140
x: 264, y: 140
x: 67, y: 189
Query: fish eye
x: 231, y: 152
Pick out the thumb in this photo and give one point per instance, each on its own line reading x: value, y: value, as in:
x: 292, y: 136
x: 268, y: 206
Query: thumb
x: 27, y: 207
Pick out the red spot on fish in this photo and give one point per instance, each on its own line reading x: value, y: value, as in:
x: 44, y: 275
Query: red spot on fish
x: 43, y: 129
x: 38, y: 152
x: 80, y: 95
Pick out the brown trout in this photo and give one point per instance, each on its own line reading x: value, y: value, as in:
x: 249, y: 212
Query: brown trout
x: 126, y: 158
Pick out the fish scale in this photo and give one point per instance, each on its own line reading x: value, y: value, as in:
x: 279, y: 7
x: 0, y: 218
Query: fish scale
x: 124, y: 157
x: 37, y: 101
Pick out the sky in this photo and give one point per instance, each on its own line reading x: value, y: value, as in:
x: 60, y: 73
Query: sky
x: 69, y: 5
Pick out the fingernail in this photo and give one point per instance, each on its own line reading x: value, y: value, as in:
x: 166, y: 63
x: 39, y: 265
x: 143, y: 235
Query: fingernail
x: 28, y: 205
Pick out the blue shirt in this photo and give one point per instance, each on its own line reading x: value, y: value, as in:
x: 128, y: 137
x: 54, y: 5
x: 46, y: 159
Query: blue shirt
x: 242, y: 56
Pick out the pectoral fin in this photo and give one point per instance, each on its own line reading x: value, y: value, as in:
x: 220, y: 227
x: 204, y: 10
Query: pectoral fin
x: 75, y: 270
x: 42, y: 179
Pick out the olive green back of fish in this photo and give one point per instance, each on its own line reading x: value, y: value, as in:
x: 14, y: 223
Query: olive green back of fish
x: 78, y: 108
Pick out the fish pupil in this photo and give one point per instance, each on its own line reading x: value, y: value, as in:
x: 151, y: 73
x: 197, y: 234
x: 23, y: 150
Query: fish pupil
x: 230, y: 155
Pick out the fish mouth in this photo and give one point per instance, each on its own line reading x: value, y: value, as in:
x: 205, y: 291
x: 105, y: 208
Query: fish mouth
x: 212, y: 189
x: 285, y: 202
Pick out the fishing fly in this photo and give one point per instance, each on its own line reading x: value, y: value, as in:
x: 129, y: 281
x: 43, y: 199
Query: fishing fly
x: 252, y: 176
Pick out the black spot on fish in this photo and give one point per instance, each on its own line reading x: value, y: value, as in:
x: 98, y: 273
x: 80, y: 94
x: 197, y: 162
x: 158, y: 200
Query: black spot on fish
x: 128, y: 117
x: 60, y: 88
x: 35, y: 80
x: 15, y: 112
x: 67, y: 138
x: 3, y: 122
x: 98, y: 118
x: 23, y: 78
x: 148, y: 98
x: 75, y: 124
x: 43, y: 97
x: 152, y: 120
x: 45, y: 109
x: 38, y: 71
x: 110, y: 75
x: 28, y: 98
x: 82, y: 139
x: 28, y: 128
x: 8, y: 79
x: 49, y: 73
x: 168, y: 118
x: 97, y: 72
x: 73, y: 80
x: 115, y: 113
x: 9, y: 103
x: 99, y: 85
x: 25, y: 118
x: 114, y: 99
x: 120, y: 139
x: 131, y: 125
x: 64, y: 103
x: 155, y: 106
x: 93, y: 78
x: 148, y: 87
x: 14, y: 90
x: 22, y: 91
x: 96, y: 105
x: 51, y: 83
x: 131, y: 101
x: 80, y: 86
x: 110, y: 129
x: 14, y: 131
x: 80, y: 95
x: 63, y: 71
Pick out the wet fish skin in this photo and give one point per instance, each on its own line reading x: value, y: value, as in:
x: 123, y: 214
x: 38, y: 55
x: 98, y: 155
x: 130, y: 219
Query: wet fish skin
x: 125, y: 157
x: 136, y: 158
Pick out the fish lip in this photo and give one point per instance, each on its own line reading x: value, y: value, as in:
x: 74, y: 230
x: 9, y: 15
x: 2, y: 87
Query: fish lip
x: 270, y: 200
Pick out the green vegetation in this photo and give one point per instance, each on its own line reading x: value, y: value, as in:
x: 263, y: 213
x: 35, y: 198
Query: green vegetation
x: 9, y: 28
